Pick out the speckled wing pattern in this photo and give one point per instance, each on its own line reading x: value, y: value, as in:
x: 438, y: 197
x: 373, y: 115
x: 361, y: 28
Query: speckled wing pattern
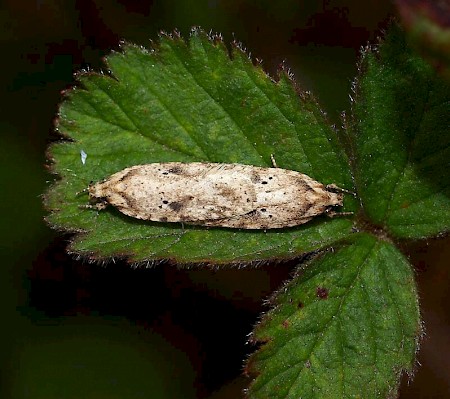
x: 213, y: 194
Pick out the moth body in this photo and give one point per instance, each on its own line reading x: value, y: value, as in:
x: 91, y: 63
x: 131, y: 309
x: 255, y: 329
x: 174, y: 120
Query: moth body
x: 212, y: 194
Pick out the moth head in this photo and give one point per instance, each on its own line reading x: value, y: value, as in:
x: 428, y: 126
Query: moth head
x: 94, y: 191
x: 97, y: 201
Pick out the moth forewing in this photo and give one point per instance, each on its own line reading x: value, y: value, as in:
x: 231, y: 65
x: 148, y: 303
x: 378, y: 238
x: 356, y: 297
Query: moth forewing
x: 211, y: 194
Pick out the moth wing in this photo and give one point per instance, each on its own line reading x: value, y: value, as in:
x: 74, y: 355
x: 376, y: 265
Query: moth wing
x: 227, y: 195
x: 177, y: 192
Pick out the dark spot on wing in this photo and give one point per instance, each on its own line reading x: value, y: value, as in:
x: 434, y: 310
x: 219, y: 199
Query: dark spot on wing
x: 176, y: 170
x: 130, y: 173
x: 305, y: 207
x: 251, y: 213
x: 255, y: 177
x: 304, y: 185
x: 226, y: 192
x: 130, y: 201
x: 175, y: 206
x: 163, y: 219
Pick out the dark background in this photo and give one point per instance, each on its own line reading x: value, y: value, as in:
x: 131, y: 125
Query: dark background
x: 76, y: 330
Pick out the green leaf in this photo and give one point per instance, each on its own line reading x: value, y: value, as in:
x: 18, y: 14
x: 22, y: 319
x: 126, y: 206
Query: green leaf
x: 189, y: 102
x: 401, y: 116
x: 345, y: 327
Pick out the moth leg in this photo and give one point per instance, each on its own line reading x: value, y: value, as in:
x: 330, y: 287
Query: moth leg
x: 333, y: 187
x: 98, y: 206
x: 85, y: 190
x: 274, y: 163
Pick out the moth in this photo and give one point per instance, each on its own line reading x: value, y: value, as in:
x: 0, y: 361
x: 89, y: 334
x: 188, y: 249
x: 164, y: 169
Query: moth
x: 215, y: 194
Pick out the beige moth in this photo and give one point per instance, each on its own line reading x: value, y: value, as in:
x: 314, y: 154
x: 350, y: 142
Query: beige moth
x: 215, y: 194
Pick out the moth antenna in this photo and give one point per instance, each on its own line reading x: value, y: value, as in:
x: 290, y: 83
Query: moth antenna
x: 331, y: 214
x: 333, y: 187
x: 98, y: 206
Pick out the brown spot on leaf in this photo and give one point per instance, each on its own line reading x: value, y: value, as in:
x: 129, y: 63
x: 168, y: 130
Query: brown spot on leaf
x: 286, y: 324
x: 322, y: 292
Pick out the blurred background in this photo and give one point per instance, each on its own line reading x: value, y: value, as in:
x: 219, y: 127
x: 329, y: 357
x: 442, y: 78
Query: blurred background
x: 78, y: 330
